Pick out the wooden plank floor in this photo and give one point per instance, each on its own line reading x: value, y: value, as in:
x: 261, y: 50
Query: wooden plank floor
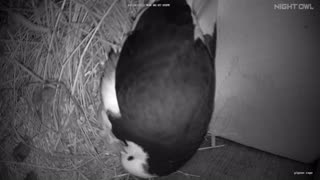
x: 238, y: 162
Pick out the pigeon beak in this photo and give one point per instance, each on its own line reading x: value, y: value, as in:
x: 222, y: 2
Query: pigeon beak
x: 123, y: 153
x: 122, y: 148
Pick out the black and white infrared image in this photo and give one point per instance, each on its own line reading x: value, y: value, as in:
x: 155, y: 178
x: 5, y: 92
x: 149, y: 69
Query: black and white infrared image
x: 160, y: 89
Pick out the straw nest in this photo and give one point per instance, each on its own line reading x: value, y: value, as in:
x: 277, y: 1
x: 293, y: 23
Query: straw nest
x: 52, y: 57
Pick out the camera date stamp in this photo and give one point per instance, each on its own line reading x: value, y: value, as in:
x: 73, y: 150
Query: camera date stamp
x: 298, y: 173
x: 149, y: 5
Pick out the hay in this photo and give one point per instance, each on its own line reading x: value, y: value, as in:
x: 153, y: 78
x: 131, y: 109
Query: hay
x: 52, y: 56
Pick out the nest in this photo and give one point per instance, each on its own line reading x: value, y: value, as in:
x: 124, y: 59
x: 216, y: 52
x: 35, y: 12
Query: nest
x: 52, y: 57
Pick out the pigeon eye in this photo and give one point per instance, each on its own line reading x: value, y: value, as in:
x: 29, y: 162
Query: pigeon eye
x: 130, y: 158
